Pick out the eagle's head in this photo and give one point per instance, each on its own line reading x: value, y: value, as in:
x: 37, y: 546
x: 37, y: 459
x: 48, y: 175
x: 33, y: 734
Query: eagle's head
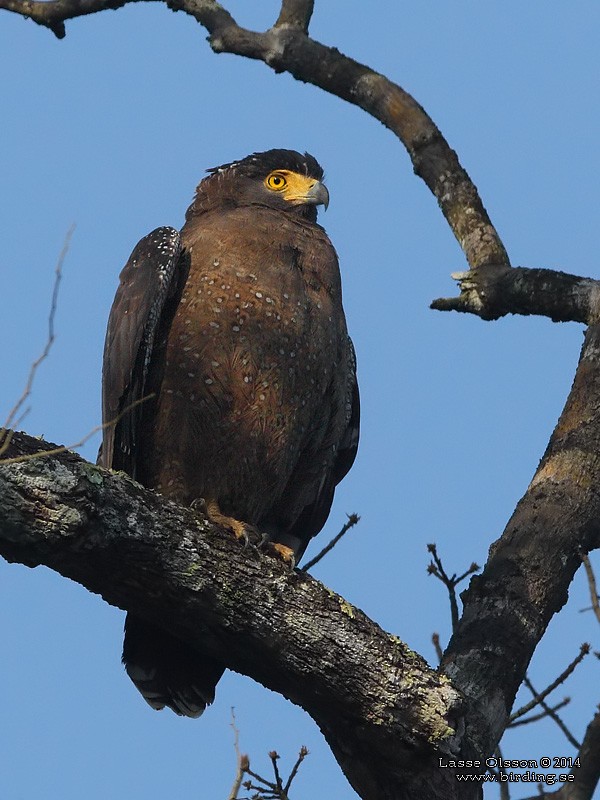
x: 281, y: 179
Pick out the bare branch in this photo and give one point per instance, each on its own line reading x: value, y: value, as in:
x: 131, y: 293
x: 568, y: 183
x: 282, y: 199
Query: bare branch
x: 551, y: 713
x: 55, y: 13
x: 242, y: 761
x: 67, y: 448
x: 353, y: 519
x: 301, y: 756
x: 274, y: 756
x: 269, y: 790
x: 436, y: 568
x: 542, y: 715
x: 538, y: 698
x: 495, y: 290
x: 5, y: 434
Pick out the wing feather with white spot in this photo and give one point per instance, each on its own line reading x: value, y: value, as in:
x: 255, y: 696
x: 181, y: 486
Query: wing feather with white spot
x: 146, y: 283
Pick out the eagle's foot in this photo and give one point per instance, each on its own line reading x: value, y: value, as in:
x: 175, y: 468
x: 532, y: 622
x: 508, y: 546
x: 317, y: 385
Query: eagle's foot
x: 282, y: 552
x: 243, y: 531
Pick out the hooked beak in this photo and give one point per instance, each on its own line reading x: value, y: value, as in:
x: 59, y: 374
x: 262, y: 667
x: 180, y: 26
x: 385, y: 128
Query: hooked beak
x: 317, y: 195
x: 307, y: 192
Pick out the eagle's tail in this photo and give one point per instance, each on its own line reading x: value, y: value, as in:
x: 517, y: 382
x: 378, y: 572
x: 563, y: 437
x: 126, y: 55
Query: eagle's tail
x: 167, y: 671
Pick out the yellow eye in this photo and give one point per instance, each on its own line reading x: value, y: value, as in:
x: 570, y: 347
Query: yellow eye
x: 276, y: 181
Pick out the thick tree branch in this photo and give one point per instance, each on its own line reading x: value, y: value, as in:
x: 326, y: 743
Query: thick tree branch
x: 295, y: 14
x: 495, y: 290
x: 286, y: 48
x: 52, y: 15
x: 382, y: 709
x: 526, y: 579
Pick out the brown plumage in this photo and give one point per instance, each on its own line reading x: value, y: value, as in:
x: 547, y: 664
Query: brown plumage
x: 236, y: 328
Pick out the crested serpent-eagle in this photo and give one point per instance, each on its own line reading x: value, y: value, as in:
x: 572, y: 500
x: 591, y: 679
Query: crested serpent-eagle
x: 231, y: 378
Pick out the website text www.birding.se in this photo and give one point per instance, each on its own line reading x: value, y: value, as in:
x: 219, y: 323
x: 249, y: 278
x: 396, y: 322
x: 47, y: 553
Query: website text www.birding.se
x: 501, y: 770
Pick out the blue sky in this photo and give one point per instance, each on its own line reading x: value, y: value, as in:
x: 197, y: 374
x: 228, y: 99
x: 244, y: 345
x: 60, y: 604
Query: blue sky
x: 111, y: 129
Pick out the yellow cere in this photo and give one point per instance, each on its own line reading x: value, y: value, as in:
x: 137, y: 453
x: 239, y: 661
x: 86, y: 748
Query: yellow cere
x: 292, y: 185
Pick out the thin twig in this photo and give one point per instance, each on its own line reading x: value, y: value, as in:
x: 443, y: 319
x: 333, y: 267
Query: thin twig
x: 436, y: 568
x: 63, y: 448
x: 5, y: 436
x: 352, y: 521
x: 272, y: 787
x: 242, y: 761
x: 265, y: 789
x: 274, y: 756
x: 537, y: 717
x: 538, y: 698
x: 301, y: 756
x: 552, y: 714
x: 239, y: 777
